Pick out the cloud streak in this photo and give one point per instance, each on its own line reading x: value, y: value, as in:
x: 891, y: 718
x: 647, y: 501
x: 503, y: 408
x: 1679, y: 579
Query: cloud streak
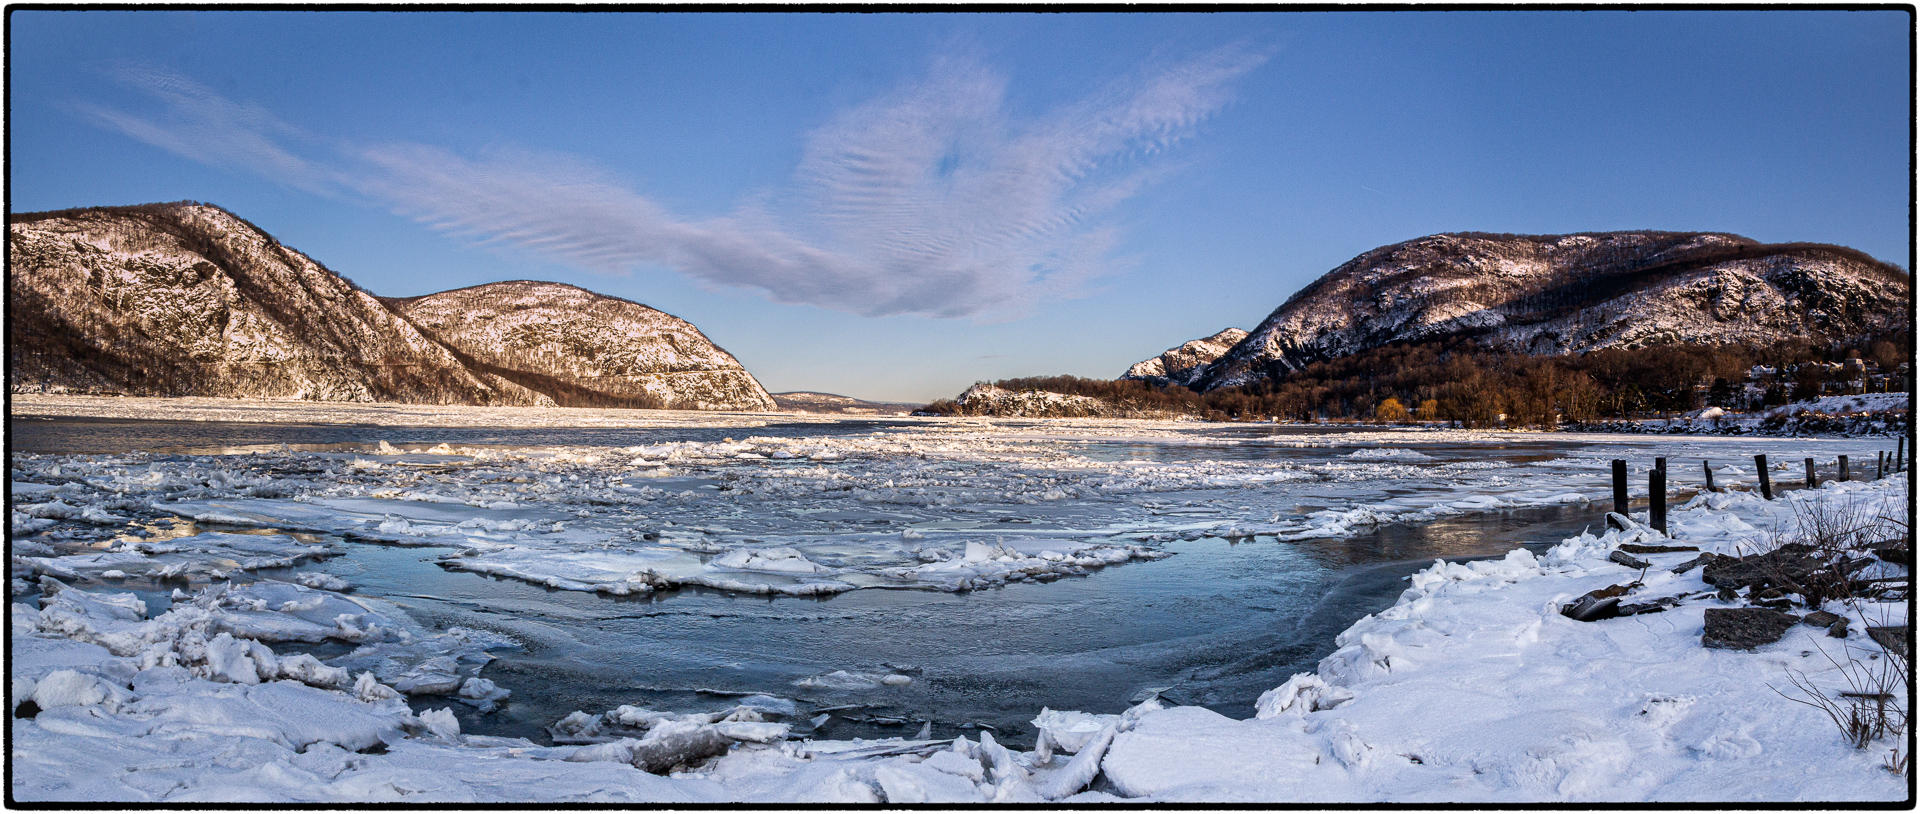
x: 935, y: 199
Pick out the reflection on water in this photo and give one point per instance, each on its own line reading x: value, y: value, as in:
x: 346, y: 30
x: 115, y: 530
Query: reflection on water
x: 1220, y: 623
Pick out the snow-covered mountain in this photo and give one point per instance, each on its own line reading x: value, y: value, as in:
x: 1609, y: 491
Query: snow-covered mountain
x: 594, y: 347
x: 1554, y: 294
x: 1177, y: 365
x: 804, y: 401
x: 987, y: 399
x: 187, y: 299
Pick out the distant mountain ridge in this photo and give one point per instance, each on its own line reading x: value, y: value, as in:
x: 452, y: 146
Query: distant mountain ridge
x: 1557, y: 294
x: 805, y: 401
x: 188, y: 299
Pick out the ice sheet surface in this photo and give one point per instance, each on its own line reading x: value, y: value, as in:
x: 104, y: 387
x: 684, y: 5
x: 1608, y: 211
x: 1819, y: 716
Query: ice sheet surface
x: 1212, y: 547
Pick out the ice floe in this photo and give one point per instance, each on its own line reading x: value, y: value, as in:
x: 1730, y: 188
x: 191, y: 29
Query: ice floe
x: 897, y: 506
x: 1472, y: 687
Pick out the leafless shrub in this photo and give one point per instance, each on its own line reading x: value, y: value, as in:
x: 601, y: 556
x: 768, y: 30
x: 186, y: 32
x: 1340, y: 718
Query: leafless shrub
x: 1895, y: 525
x: 1830, y: 543
x: 1821, y: 556
x: 1872, y: 707
x: 1839, y: 533
x: 1837, y: 525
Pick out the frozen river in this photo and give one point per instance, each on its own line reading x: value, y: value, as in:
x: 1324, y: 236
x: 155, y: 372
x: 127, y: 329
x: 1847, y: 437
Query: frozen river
x: 886, y: 573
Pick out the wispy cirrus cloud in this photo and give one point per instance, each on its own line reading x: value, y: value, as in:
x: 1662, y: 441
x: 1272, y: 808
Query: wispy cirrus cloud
x: 197, y: 123
x: 935, y: 199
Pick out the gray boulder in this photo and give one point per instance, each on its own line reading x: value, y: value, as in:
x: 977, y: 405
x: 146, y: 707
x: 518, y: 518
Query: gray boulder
x: 1745, y: 628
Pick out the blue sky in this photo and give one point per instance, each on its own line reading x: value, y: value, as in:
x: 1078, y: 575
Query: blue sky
x: 893, y: 206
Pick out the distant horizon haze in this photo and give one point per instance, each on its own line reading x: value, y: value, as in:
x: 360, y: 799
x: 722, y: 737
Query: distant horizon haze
x: 893, y: 206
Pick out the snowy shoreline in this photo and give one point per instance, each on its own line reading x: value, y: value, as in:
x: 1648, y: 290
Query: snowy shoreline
x: 1866, y: 415
x: 1472, y: 687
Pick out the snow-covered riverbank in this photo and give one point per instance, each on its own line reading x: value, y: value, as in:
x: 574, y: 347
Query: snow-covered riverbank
x: 1875, y: 415
x: 1473, y: 687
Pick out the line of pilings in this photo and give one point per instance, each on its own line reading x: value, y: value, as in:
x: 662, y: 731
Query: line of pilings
x: 1886, y: 462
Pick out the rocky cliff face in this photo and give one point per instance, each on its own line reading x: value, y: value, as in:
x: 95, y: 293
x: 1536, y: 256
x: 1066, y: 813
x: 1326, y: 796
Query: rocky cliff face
x: 594, y: 346
x: 1553, y: 294
x: 1178, y: 365
x: 189, y: 299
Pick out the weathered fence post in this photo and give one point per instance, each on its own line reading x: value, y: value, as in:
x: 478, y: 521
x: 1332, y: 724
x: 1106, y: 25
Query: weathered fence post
x: 1879, y: 464
x: 1843, y: 468
x: 1657, y: 499
x: 1619, y: 490
x: 1707, y: 466
x: 1812, y: 481
x: 1660, y: 464
x: 1900, y: 456
x: 1766, y: 481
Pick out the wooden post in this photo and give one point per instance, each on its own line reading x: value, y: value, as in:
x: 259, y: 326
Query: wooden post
x: 1657, y: 499
x: 1879, y: 464
x: 1660, y: 464
x: 1707, y: 466
x: 1619, y: 488
x: 1766, y: 481
x: 1900, y: 456
x: 1811, y: 480
x: 1843, y: 468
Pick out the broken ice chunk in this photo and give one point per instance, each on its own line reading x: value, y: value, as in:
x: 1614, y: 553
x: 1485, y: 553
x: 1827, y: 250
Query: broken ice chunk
x: 779, y: 559
x: 1069, y: 730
